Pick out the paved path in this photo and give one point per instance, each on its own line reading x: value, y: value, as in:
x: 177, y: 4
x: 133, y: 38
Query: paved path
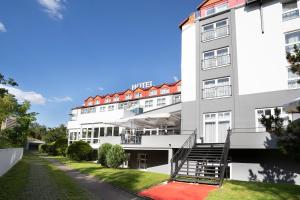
x: 104, y: 191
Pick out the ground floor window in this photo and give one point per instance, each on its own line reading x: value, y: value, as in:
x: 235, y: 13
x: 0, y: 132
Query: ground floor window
x: 142, y: 161
x: 216, y: 126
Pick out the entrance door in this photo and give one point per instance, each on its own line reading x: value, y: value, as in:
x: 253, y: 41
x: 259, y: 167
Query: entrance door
x: 210, y: 132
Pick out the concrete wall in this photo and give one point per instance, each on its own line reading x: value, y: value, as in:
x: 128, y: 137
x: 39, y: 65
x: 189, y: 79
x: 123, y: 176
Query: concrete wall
x: 8, y: 158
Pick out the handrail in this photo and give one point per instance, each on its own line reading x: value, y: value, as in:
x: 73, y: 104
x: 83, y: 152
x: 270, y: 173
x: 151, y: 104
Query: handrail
x: 224, y: 160
x: 181, y: 155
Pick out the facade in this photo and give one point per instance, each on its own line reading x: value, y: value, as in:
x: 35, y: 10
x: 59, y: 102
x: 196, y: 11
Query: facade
x: 234, y: 69
x: 9, y: 122
x: 144, y: 121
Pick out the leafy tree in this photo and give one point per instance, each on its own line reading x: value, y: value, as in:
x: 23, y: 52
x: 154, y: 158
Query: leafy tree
x: 116, y: 156
x: 80, y: 150
x: 102, y: 153
x: 294, y: 59
x: 54, y: 134
x: 4, y: 81
x: 37, y: 131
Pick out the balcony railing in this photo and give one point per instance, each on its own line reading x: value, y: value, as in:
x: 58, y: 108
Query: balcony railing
x: 216, y: 61
x: 131, y: 139
x: 215, y: 33
x: 157, y: 131
x: 291, y: 14
x: 218, y: 91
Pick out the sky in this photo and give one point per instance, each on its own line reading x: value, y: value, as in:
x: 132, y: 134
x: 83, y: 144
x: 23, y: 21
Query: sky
x: 62, y: 51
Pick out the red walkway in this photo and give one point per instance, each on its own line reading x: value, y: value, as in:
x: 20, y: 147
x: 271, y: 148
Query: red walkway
x: 178, y: 191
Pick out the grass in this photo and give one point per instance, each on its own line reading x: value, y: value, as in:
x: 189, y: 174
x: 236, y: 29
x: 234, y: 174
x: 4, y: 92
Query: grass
x: 236, y: 190
x: 14, y: 183
x: 129, y: 179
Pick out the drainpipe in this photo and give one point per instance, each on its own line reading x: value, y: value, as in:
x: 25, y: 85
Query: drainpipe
x: 261, y: 16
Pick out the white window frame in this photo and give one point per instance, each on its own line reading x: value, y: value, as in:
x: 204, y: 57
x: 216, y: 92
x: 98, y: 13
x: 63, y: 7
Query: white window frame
x: 216, y: 9
x: 216, y: 120
x: 97, y: 102
x: 161, y: 102
x: 295, y: 78
x: 216, y: 86
x: 138, y: 95
x: 153, y: 92
x: 116, y: 98
x: 128, y: 96
x: 164, y: 91
x: 285, y: 16
x: 90, y: 103
x: 149, y: 103
x: 215, y: 57
x: 214, y: 24
x: 102, y: 109
x: 291, y: 45
x: 111, y: 107
x: 259, y: 127
x: 107, y: 100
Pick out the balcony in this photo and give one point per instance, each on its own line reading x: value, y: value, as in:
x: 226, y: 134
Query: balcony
x: 291, y: 14
x: 216, y: 92
x: 215, y: 33
x: 216, y: 61
x: 131, y: 139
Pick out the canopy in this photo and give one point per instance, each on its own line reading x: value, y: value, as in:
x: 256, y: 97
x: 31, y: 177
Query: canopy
x: 292, y: 107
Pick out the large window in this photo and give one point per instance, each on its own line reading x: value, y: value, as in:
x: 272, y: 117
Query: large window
x: 177, y: 98
x: 161, y: 101
x: 268, y: 112
x: 111, y: 107
x: 292, y: 39
x: 102, y: 131
x: 216, y: 58
x: 216, y: 126
x: 116, y: 131
x: 215, y: 30
x: 216, y: 9
x: 164, y: 91
x: 86, y: 134
x: 153, y: 92
x: 138, y: 95
x: 109, y: 131
x: 102, y: 108
x: 293, y: 80
x: 96, y: 136
x: 148, y: 103
x: 216, y: 88
x: 290, y: 10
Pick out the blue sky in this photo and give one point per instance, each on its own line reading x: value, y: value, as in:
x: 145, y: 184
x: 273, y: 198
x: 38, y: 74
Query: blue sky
x: 62, y: 51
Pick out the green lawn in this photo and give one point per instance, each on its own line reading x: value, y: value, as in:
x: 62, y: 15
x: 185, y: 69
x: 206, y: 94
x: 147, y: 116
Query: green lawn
x: 130, y: 179
x: 23, y: 181
x: 237, y: 190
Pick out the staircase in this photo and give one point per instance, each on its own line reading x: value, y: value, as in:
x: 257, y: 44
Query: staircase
x: 200, y: 162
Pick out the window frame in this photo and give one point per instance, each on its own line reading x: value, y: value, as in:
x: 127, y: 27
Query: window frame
x: 291, y: 44
x: 216, y: 85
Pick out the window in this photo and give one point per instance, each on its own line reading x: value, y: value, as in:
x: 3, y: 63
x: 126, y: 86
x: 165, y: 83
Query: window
x: 102, y: 131
x: 122, y: 106
x: 102, y: 108
x: 97, y: 102
x: 116, y: 98
x: 292, y: 39
x: 84, y: 111
x: 83, y: 131
x: 216, y: 88
x: 107, y: 100
x: 216, y: 58
x: 268, y: 112
x: 96, y: 136
x: 138, y: 95
x: 161, y: 101
x: 111, y: 107
x: 153, y: 92
x: 142, y: 161
x: 293, y: 79
x: 90, y: 103
x: 148, y: 103
x: 91, y: 110
x: 116, y: 131
x: 177, y: 99
x: 290, y: 10
x: 128, y: 96
x: 216, y: 126
x: 164, y: 91
x: 216, y: 9
x: 109, y: 131
x: 215, y: 30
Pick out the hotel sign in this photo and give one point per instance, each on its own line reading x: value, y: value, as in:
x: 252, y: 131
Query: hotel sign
x: 142, y: 85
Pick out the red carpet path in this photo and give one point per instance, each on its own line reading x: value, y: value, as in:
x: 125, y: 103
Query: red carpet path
x: 178, y: 191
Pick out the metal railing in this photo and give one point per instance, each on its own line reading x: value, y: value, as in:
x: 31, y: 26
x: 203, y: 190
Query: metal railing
x: 216, y: 61
x: 215, y: 33
x: 158, y: 131
x: 181, y: 155
x: 131, y: 139
x: 224, y: 157
x: 291, y: 14
x: 218, y: 91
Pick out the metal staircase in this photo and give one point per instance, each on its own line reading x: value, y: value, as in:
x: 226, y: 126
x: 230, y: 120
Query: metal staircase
x: 200, y: 162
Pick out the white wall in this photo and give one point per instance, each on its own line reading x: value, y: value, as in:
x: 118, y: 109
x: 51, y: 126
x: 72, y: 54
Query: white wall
x: 188, y: 63
x: 262, y: 66
x: 8, y: 158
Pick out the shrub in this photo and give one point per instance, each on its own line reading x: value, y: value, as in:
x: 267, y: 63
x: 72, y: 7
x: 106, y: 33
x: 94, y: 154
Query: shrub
x: 116, y: 156
x: 52, y: 150
x: 43, y: 148
x: 61, y: 146
x: 102, y: 153
x: 79, y: 150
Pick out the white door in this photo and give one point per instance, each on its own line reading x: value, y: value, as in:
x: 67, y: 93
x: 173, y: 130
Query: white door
x: 210, y: 132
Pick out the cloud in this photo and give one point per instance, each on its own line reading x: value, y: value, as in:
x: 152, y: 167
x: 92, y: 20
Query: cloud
x: 53, y: 8
x: 2, y: 27
x: 60, y: 99
x: 31, y: 96
x: 175, y: 78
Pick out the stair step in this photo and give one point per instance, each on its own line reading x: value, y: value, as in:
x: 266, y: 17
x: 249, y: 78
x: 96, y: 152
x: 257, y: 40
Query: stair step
x: 204, y: 155
x: 195, y: 168
x: 196, y: 181
x: 204, y: 159
x: 184, y: 172
x: 197, y: 177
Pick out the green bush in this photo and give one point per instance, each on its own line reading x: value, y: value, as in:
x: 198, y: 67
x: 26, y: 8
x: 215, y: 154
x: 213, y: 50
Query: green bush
x: 43, y: 148
x: 52, y: 150
x: 79, y: 150
x: 61, y: 146
x: 116, y: 156
x: 102, y: 153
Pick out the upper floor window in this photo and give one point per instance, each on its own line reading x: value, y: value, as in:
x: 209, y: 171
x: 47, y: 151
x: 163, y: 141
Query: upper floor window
x: 290, y: 10
x: 161, y: 101
x: 122, y: 105
x: 90, y: 103
x: 216, y: 58
x: 292, y: 39
x: 153, y: 92
x: 138, y: 95
x: 148, y: 103
x: 216, y: 88
x: 107, y: 100
x: 128, y: 96
x: 164, y: 91
x: 216, y: 9
x: 268, y: 112
x: 176, y: 99
x: 116, y: 98
x: 111, y: 107
x: 102, y: 108
x: 215, y: 30
x: 97, y: 102
x: 293, y: 79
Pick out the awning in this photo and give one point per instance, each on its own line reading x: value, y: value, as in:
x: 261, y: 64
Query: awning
x: 292, y: 107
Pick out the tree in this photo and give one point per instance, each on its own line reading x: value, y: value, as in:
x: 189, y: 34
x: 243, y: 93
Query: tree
x: 294, y: 59
x: 4, y: 81
x: 102, y: 153
x: 37, y: 131
x: 54, y: 134
x: 116, y: 156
